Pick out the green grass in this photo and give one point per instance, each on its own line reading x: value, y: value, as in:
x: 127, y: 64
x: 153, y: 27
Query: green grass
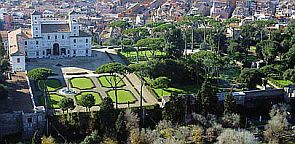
x: 108, y: 81
x: 284, y: 82
x: 82, y: 83
x: 54, y: 100
x: 52, y: 84
x: 167, y: 92
x: 123, y: 96
x: 185, y: 89
x: 97, y: 97
x: 142, y: 55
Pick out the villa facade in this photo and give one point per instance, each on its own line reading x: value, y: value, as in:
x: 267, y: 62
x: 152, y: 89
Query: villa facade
x: 47, y: 38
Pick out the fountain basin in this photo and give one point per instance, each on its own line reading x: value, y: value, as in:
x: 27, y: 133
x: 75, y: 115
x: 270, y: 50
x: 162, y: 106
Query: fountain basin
x: 68, y: 91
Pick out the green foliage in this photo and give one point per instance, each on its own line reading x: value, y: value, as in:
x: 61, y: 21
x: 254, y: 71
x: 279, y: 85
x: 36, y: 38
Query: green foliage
x: 97, y: 97
x: 112, y: 68
x: 270, y: 70
x: 47, y: 140
x: 111, y: 81
x: 161, y: 82
x: 251, y: 77
x: 164, y: 27
x: 88, y: 100
x: 179, y: 71
x: 267, y: 50
x: 174, y: 110
x: 93, y: 138
x: 51, y: 84
x: 39, y: 73
x: 111, y: 42
x: 229, y: 103
x: 235, y: 50
x: 154, y: 24
x: 231, y: 136
x: 120, y: 126
x: 4, y: 65
x: 66, y: 104
x: 141, y: 68
x: 209, y: 61
x: 120, y: 24
x: 176, y: 43
x: 289, y: 75
x: 107, y: 116
x: 207, y: 99
x: 278, y: 125
x: 153, y: 43
x: 230, y: 120
x: 289, y: 57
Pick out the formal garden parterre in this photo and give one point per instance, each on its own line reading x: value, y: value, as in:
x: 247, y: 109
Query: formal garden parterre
x: 85, y: 86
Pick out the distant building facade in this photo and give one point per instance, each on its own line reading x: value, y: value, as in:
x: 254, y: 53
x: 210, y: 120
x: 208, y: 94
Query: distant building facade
x: 48, y: 37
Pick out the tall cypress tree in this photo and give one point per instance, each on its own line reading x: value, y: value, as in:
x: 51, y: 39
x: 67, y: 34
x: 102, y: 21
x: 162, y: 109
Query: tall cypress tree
x: 229, y: 103
x: 207, y: 99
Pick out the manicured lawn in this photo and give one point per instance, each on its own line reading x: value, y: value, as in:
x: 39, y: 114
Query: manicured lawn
x: 168, y: 91
x: 109, y: 81
x: 283, y: 82
x: 142, y: 55
x: 123, y: 96
x: 52, y: 84
x: 82, y: 83
x: 97, y: 97
x: 54, y: 100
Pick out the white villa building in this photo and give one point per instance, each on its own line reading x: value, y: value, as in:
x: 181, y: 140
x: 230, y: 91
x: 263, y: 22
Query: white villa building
x: 47, y: 38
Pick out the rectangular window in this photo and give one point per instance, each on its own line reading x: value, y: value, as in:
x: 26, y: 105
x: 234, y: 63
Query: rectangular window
x: 86, y: 40
x: 48, y: 37
x: 74, y: 40
x: 74, y: 52
x: 18, y: 60
x: 56, y: 37
x: 37, y: 42
x: 86, y: 51
x: 37, y: 53
x: 74, y: 27
x: 63, y: 37
x: 30, y: 120
x: 26, y: 43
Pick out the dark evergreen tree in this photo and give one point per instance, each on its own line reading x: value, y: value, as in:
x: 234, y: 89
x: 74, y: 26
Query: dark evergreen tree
x: 207, y: 99
x: 120, y: 125
x: 229, y: 103
x: 174, y: 110
x: 107, y: 116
